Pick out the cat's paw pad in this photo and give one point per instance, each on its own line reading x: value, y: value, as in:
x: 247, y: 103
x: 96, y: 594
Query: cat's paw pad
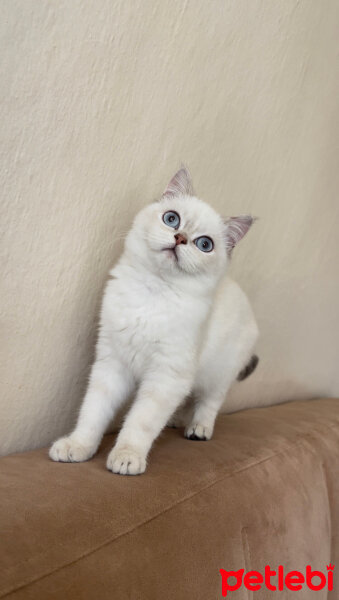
x: 67, y: 449
x: 198, y: 432
x: 126, y: 461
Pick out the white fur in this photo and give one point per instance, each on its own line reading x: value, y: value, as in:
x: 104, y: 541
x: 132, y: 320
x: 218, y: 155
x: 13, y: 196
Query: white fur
x: 175, y: 331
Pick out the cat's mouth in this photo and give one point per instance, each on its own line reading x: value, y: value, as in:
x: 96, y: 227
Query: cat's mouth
x: 172, y: 251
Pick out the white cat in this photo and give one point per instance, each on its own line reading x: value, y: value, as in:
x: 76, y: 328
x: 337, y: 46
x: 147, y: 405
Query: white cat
x: 174, y: 329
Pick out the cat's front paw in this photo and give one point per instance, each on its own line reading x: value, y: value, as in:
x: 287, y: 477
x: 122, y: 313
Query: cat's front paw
x: 198, y: 432
x: 68, y: 449
x: 126, y: 461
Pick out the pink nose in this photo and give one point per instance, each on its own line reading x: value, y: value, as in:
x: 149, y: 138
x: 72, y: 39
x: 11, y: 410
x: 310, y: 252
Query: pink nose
x: 180, y: 239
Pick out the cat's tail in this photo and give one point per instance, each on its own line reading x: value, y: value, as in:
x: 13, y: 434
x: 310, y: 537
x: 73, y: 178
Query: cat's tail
x: 250, y: 367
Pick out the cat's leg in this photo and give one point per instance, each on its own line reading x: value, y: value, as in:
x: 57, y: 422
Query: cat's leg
x: 157, y: 399
x: 223, y: 357
x: 109, y: 387
x: 182, y: 415
x: 207, y: 406
x: 210, y: 393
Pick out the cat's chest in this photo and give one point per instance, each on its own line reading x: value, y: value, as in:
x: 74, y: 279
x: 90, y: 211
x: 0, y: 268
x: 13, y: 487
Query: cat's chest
x: 138, y: 316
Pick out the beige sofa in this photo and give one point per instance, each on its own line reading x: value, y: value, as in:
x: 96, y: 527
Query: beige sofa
x: 264, y: 491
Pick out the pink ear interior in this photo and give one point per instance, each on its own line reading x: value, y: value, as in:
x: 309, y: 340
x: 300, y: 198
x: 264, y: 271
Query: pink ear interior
x: 237, y: 227
x: 180, y: 184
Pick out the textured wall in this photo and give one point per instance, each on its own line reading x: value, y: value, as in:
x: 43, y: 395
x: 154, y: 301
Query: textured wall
x: 100, y: 102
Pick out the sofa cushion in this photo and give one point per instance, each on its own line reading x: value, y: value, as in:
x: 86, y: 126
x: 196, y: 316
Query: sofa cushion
x: 264, y: 490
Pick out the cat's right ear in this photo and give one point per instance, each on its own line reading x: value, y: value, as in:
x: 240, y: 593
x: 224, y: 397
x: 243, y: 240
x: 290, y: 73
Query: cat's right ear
x: 236, y: 228
x: 180, y: 184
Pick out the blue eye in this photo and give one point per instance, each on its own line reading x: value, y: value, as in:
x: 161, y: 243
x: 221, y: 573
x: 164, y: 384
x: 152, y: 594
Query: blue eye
x: 204, y: 243
x: 171, y: 219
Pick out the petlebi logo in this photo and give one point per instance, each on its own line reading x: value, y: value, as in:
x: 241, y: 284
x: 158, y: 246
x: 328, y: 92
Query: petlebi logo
x: 276, y: 580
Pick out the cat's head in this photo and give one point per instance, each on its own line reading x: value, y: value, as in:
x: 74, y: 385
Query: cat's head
x: 182, y: 235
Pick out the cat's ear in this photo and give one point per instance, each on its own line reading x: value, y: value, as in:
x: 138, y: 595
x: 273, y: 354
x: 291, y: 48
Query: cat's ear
x: 180, y: 184
x: 236, y: 228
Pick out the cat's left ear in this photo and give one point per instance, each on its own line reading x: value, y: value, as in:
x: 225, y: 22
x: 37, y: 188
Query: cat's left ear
x: 180, y: 184
x: 236, y: 228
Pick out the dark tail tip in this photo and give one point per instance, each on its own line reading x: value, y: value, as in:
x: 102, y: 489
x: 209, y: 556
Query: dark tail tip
x: 250, y: 367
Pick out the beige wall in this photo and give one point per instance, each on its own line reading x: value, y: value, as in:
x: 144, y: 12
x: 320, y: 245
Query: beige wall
x: 100, y: 102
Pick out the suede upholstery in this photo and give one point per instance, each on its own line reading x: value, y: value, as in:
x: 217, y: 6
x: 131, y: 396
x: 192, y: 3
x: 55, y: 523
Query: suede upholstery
x: 265, y: 490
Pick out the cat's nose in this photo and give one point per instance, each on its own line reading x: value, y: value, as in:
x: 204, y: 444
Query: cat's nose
x: 180, y: 238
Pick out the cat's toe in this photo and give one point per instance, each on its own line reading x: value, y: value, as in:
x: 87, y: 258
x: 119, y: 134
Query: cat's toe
x: 198, y: 432
x: 126, y: 461
x: 69, y: 450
